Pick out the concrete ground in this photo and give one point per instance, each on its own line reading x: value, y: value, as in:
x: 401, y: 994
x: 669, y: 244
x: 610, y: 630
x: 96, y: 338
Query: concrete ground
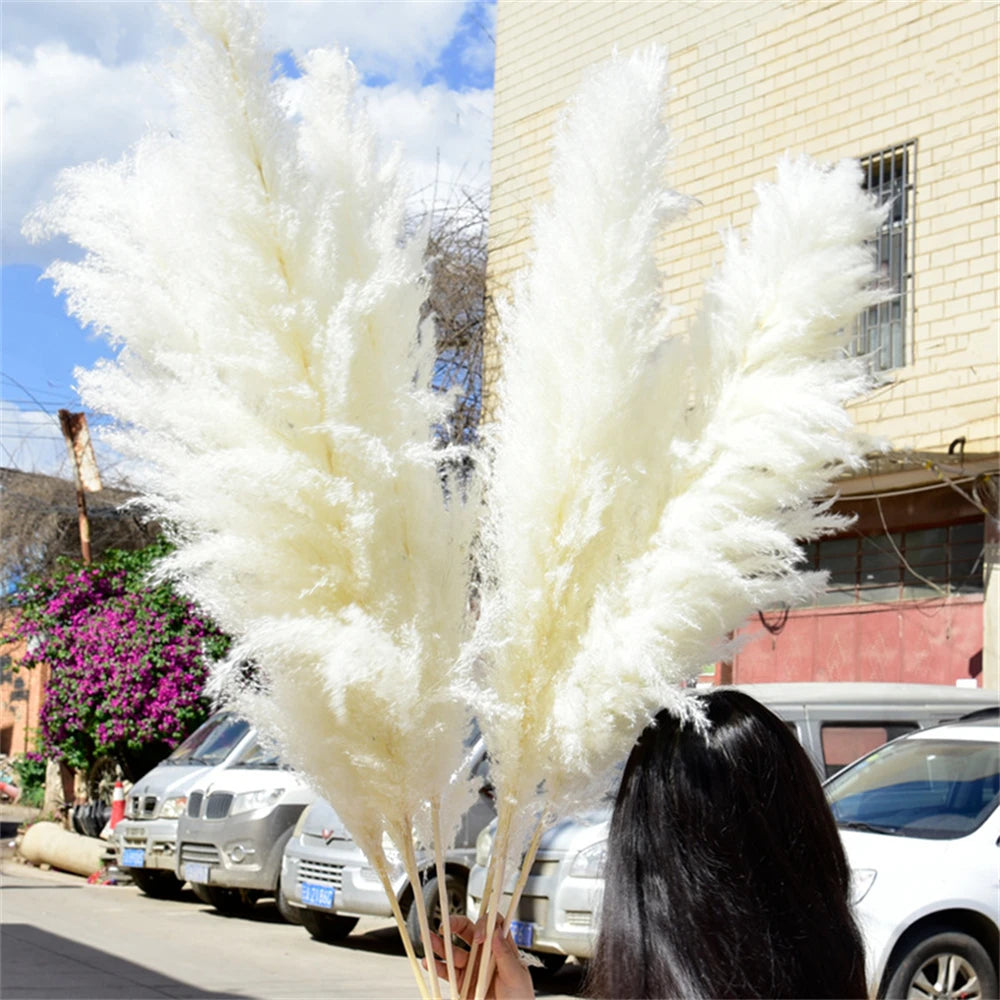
x: 60, y: 937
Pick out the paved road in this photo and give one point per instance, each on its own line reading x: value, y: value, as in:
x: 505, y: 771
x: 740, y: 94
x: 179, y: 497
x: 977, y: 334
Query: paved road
x: 63, y: 938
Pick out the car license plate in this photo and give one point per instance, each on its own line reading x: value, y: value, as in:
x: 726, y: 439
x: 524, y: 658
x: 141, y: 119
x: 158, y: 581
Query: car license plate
x: 522, y: 933
x: 133, y: 857
x: 194, y: 872
x: 317, y: 895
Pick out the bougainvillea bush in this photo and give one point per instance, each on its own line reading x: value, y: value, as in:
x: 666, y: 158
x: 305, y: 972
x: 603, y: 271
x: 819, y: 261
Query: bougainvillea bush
x: 128, y: 660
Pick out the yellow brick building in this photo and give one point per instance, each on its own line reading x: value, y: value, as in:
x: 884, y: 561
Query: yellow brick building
x: 909, y: 87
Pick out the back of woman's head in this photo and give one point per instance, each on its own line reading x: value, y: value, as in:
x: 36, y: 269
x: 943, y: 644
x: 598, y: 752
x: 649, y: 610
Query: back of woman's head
x: 725, y: 873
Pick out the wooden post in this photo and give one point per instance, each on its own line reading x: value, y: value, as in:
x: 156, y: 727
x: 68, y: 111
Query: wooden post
x: 81, y: 453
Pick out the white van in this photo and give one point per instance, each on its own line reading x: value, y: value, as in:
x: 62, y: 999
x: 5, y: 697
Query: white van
x: 328, y: 879
x: 835, y: 722
x: 146, y: 839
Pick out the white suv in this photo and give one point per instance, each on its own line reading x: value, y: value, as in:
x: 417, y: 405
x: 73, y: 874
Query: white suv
x: 836, y: 723
x: 920, y: 822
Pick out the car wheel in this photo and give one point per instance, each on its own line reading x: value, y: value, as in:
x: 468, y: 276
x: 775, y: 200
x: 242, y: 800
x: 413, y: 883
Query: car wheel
x: 231, y: 902
x: 158, y: 884
x: 292, y: 914
x: 551, y: 964
x: 455, y: 890
x: 101, y: 778
x: 201, y: 891
x: 327, y: 926
x: 946, y: 964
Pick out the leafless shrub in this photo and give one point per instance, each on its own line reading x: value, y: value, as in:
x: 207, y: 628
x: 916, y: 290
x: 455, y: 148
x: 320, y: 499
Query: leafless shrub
x: 40, y: 524
x: 456, y: 257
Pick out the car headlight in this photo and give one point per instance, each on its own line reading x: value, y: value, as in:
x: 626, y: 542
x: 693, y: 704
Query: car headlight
x: 173, y: 808
x: 261, y: 798
x: 484, y: 847
x: 861, y: 881
x: 589, y: 863
x: 129, y: 813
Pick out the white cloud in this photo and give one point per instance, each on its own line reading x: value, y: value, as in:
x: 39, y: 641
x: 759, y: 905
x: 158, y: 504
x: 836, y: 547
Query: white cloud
x: 61, y: 108
x: 31, y: 440
x: 398, y: 40
x: 445, y: 135
x: 80, y: 83
x: 479, y: 51
x: 114, y: 33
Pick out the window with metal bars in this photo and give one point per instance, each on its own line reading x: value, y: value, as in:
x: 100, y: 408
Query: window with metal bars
x: 901, y: 565
x: 881, y: 330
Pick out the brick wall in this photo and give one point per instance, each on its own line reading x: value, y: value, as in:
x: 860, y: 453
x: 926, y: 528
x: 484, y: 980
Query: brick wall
x: 22, y: 693
x: 752, y: 80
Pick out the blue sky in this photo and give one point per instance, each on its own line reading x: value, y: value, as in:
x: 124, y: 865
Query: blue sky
x: 79, y: 83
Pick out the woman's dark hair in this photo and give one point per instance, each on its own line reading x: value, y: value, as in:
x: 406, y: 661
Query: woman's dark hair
x: 725, y: 874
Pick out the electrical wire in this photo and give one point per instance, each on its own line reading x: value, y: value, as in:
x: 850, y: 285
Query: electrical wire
x: 846, y: 498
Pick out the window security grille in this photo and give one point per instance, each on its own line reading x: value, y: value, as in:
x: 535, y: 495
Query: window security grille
x: 882, y: 329
x: 901, y: 565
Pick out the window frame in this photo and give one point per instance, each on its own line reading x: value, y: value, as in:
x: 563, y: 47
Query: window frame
x: 883, y: 568
x: 882, y: 333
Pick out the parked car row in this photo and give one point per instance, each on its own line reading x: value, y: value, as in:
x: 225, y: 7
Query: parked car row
x: 223, y: 814
x: 925, y: 941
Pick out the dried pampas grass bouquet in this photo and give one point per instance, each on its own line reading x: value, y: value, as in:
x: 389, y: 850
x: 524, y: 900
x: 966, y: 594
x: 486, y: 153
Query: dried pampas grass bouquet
x: 642, y: 491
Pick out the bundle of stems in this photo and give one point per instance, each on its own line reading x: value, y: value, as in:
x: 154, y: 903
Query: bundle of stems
x: 648, y: 491
x: 273, y: 385
x: 645, y: 490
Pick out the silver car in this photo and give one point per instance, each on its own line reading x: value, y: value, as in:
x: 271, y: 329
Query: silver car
x: 145, y: 841
x: 327, y: 877
x: 835, y: 722
x: 233, y: 834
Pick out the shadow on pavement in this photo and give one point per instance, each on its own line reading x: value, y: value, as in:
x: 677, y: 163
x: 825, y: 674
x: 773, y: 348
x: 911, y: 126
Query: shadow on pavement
x: 568, y: 981
x: 38, y: 965
x: 381, y: 940
x: 261, y: 912
x: 385, y: 941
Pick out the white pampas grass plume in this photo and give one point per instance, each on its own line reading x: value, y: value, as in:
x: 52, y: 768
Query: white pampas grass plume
x: 578, y: 427
x: 647, y: 492
x: 252, y: 267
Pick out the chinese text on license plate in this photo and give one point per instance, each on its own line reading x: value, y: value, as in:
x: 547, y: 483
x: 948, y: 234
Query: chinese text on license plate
x: 133, y: 857
x: 317, y: 895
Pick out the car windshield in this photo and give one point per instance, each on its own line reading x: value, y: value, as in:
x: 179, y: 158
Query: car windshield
x: 212, y: 742
x: 937, y: 789
x: 258, y: 755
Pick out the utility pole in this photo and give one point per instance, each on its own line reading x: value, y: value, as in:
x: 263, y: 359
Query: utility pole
x: 88, y: 479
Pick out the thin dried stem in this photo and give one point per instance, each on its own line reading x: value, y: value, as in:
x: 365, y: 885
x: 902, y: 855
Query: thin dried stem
x: 442, y: 877
x: 413, y: 874
x: 500, y: 850
x: 522, y: 879
x: 527, y: 862
x: 381, y: 868
x: 474, y: 948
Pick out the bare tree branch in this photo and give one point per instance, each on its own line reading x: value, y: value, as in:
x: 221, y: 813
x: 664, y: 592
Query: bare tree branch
x: 456, y: 258
x: 40, y: 524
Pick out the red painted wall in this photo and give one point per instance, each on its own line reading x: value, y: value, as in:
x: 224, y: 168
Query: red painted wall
x: 929, y: 642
